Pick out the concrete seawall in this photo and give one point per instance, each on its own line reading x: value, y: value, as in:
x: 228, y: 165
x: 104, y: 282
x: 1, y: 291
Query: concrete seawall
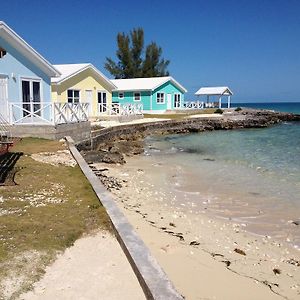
x: 152, y: 278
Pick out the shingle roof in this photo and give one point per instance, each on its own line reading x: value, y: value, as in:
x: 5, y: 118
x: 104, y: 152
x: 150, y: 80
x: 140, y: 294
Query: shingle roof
x: 217, y: 90
x: 144, y: 84
x: 25, y: 49
x: 69, y: 70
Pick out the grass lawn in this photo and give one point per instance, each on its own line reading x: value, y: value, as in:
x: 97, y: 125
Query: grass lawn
x: 48, y: 209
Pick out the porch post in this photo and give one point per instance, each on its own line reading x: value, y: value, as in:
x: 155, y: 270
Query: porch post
x: 228, y: 100
x: 220, y: 103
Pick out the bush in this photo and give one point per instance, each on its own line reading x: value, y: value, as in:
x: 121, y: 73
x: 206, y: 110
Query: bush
x: 218, y: 111
x: 238, y: 109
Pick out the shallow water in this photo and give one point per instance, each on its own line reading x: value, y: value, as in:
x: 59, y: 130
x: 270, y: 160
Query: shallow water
x: 250, y: 176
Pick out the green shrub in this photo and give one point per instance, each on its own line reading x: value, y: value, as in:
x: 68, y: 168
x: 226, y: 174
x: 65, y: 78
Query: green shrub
x: 238, y: 109
x: 218, y: 111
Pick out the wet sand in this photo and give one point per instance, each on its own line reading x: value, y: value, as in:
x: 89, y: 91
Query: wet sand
x: 205, y: 257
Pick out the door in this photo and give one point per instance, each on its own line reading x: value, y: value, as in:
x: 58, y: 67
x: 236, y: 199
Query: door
x: 169, y: 101
x: 177, y: 101
x: 102, y: 102
x: 89, y: 100
x: 3, y: 97
x: 31, y: 97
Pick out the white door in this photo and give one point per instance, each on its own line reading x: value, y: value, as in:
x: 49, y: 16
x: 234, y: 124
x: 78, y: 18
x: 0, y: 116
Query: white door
x: 31, y: 97
x: 89, y: 100
x: 3, y: 97
x: 102, y: 102
x: 169, y: 101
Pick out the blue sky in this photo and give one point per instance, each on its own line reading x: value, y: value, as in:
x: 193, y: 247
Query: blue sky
x: 251, y: 46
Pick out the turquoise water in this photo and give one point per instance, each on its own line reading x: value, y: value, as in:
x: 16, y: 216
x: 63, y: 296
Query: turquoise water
x: 251, y: 176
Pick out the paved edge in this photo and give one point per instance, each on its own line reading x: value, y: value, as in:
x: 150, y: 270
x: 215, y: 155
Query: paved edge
x: 153, y: 280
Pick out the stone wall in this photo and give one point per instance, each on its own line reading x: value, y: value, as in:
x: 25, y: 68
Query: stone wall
x: 78, y: 131
x: 246, y: 119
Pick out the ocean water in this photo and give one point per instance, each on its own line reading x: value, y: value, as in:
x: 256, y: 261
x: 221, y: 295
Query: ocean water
x: 250, y: 176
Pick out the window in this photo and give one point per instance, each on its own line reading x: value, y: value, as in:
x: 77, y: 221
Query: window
x: 121, y: 95
x: 177, y: 100
x: 160, y: 98
x: 137, y: 96
x: 73, y: 96
x: 2, y: 52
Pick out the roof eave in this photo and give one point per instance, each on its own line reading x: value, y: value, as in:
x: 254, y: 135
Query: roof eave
x: 25, y: 49
x: 89, y: 66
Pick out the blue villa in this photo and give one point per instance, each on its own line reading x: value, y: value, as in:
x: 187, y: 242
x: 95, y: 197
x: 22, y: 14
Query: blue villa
x: 156, y: 94
x: 25, y: 80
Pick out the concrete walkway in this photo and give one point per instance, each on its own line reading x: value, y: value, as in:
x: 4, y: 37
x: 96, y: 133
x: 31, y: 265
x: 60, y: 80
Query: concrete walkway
x: 94, y: 268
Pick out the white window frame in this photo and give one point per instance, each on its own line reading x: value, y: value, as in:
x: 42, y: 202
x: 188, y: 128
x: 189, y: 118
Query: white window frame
x: 139, y: 96
x: 176, y: 96
x: 119, y: 95
x: 163, y: 98
x: 73, y: 98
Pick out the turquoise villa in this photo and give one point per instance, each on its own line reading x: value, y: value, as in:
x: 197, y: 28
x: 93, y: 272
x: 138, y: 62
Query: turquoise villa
x: 156, y: 95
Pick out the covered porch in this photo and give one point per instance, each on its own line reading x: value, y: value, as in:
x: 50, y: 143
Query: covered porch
x: 214, y: 96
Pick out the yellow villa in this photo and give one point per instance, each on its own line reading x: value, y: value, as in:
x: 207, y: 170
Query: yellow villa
x: 83, y: 83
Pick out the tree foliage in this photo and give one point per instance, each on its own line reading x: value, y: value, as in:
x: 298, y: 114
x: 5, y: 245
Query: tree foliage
x: 131, y: 63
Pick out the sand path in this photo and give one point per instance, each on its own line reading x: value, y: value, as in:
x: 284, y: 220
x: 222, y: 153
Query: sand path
x: 94, y: 268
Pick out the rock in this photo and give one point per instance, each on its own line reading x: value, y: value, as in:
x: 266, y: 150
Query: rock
x: 276, y: 271
x: 194, y: 243
x: 294, y: 262
x: 239, y: 251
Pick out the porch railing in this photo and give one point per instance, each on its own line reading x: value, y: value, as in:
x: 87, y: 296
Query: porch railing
x: 70, y: 112
x: 193, y: 105
x: 47, y: 113
x: 119, y: 109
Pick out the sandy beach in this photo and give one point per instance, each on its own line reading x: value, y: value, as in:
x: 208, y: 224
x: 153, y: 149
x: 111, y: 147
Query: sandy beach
x: 205, y: 257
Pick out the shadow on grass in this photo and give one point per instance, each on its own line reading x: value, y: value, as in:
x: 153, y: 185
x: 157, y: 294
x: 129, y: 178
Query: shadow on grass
x: 7, y: 167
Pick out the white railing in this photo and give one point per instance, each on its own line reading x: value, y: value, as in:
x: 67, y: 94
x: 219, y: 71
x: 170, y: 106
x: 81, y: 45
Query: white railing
x: 47, y: 113
x: 119, y: 109
x: 5, y: 129
x: 70, y: 112
x: 193, y: 105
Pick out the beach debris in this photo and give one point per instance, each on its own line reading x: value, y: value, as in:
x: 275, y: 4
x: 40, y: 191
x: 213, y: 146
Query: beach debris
x: 276, y: 271
x: 293, y: 262
x: 217, y: 254
x: 297, y: 223
x: 172, y: 224
x: 209, y: 159
x: 177, y: 234
x: 239, y: 251
x: 194, y: 243
x: 227, y: 262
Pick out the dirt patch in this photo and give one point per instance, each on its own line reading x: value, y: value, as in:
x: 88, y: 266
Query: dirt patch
x: 61, y: 157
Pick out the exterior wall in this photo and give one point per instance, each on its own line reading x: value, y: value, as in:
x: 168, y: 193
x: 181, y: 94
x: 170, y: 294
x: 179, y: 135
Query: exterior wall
x: 13, y: 63
x: 128, y: 98
x: 86, y: 80
x: 148, y: 98
x: 79, y: 131
x: 167, y: 88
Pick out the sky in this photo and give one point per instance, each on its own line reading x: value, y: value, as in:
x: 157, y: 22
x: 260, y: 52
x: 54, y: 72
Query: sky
x: 251, y: 46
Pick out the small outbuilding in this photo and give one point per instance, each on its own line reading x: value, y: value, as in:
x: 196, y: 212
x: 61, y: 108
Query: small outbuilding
x: 218, y: 92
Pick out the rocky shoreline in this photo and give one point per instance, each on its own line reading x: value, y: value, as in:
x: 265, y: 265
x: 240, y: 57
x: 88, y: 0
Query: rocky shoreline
x: 111, y: 145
